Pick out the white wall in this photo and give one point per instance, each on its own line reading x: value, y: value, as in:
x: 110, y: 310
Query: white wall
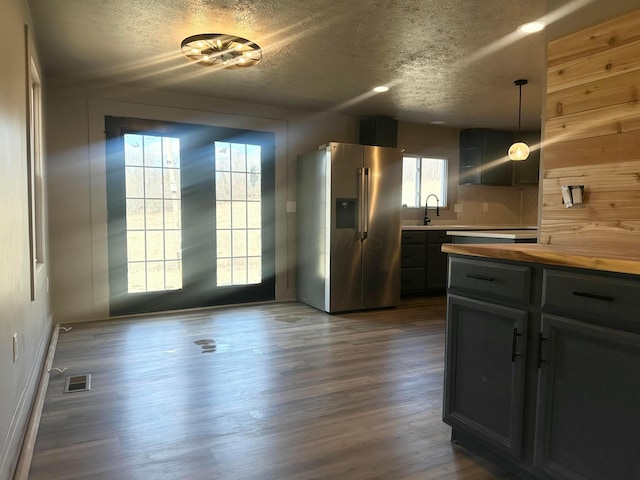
x: 29, y: 319
x: 78, y: 229
x: 79, y: 282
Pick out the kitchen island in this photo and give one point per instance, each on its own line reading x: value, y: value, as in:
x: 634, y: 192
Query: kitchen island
x: 542, y: 359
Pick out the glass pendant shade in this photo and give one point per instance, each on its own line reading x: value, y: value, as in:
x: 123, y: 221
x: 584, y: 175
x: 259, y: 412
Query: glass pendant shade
x: 519, y: 151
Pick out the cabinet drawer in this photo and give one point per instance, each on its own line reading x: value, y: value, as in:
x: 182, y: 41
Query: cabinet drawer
x: 413, y: 238
x: 412, y: 280
x: 606, y: 299
x: 510, y: 282
x: 438, y: 236
x: 413, y: 256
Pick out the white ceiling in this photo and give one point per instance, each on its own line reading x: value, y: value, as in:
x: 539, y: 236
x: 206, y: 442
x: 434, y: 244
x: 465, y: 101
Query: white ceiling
x: 446, y: 60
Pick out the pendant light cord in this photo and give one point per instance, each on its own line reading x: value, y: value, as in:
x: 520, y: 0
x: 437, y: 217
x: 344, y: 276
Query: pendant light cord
x: 520, y: 83
x: 519, y: 108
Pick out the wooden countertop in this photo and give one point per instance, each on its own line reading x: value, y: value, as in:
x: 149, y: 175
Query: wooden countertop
x: 551, y: 255
x: 508, y: 234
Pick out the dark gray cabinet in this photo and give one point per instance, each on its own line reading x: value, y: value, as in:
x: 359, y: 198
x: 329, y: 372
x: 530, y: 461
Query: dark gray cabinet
x: 483, y: 157
x: 484, y: 382
x: 588, y: 419
x: 413, y: 262
x: 423, y: 265
x: 560, y: 399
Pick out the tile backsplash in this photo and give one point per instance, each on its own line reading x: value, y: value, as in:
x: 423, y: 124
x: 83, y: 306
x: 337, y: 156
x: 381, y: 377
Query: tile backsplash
x: 485, y: 205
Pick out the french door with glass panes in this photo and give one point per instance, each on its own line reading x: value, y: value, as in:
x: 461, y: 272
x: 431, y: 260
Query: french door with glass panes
x: 190, y: 215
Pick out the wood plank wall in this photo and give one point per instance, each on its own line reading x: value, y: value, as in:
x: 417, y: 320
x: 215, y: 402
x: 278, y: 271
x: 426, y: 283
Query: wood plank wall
x: 592, y: 137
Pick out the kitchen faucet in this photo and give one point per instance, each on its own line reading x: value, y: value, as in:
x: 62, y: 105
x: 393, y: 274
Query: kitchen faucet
x: 426, y: 208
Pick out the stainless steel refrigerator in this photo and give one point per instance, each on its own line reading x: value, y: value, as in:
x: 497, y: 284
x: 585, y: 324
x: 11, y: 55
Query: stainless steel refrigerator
x: 348, y: 227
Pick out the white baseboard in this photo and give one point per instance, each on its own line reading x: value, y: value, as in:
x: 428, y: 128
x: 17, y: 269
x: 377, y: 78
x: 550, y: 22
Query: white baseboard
x: 38, y: 372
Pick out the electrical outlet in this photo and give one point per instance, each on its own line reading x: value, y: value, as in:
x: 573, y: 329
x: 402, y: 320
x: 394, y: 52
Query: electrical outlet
x: 15, y: 347
x: 291, y: 207
x: 457, y: 208
x: 485, y: 206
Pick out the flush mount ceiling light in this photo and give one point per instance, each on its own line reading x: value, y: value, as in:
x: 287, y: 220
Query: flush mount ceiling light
x: 531, y: 27
x: 381, y: 89
x: 519, y: 150
x: 220, y: 50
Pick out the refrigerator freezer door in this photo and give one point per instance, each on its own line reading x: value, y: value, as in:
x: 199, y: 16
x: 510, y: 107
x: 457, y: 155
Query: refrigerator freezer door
x: 345, y: 269
x: 381, y: 249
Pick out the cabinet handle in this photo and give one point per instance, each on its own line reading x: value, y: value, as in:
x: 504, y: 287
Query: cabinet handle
x: 480, y: 277
x: 514, y: 345
x: 540, y: 340
x: 594, y: 296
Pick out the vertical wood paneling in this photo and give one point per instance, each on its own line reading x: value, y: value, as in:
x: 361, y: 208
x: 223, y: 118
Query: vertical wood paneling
x: 592, y: 137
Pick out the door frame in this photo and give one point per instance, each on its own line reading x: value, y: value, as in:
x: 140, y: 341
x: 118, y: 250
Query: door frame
x: 89, y: 299
x: 198, y: 206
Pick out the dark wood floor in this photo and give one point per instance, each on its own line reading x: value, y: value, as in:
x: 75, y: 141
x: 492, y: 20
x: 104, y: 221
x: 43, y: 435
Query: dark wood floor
x: 257, y: 392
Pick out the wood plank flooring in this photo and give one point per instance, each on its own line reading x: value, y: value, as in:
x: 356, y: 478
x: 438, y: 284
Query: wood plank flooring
x: 278, y: 391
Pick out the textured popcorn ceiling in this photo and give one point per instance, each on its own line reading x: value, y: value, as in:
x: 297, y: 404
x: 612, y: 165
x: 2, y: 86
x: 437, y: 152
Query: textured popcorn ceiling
x: 446, y: 60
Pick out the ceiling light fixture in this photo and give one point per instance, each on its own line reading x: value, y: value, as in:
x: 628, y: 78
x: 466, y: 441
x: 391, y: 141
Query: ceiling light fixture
x: 224, y: 51
x: 519, y: 150
x: 531, y: 27
x: 381, y: 89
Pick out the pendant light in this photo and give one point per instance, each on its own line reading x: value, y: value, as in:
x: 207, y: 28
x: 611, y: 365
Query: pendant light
x: 519, y: 150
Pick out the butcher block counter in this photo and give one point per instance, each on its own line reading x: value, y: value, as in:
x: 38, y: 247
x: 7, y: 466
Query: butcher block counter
x: 552, y: 255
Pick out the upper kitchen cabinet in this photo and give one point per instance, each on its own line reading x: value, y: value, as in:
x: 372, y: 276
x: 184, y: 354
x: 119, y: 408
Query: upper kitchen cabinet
x: 483, y: 157
x: 527, y: 172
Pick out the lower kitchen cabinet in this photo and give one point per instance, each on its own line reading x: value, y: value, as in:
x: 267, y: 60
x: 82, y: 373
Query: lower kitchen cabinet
x: 423, y: 264
x: 542, y: 368
x: 588, y: 420
x: 484, y: 383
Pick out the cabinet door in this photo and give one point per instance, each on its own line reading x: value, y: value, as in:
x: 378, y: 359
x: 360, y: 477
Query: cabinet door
x: 471, y: 143
x: 436, y: 267
x: 588, y: 419
x: 413, y: 256
x: 483, y: 157
x: 496, y: 166
x: 412, y: 280
x: 484, y: 371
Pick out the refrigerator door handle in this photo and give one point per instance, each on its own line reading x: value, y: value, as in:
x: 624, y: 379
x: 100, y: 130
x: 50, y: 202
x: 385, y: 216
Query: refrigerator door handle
x: 365, y: 210
x: 361, y: 203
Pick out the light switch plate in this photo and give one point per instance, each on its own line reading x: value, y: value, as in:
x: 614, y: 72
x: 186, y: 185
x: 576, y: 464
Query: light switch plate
x: 291, y: 207
x: 457, y: 208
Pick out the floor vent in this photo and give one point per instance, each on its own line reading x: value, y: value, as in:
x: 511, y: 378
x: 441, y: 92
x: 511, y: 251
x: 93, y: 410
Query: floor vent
x: 78, y: 383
